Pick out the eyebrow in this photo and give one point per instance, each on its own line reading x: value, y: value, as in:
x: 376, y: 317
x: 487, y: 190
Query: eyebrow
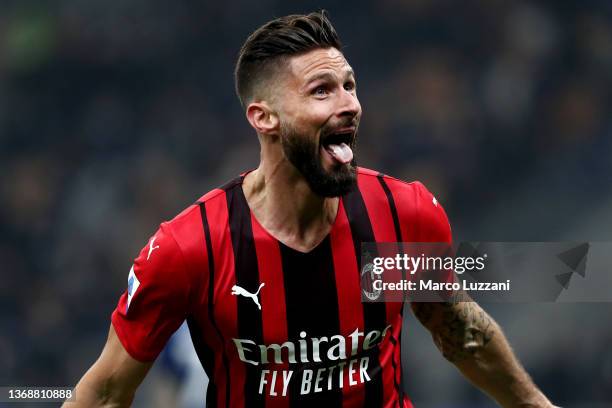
x: 326, y: 75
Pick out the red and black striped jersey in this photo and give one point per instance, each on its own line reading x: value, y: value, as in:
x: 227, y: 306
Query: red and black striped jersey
x: 272, y: 326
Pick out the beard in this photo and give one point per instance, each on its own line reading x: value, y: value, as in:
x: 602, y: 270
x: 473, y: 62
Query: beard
x: 304, y: 153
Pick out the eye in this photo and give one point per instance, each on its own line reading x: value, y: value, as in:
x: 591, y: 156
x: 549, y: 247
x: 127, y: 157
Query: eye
x: 349, y: 86
x: 320, y: 91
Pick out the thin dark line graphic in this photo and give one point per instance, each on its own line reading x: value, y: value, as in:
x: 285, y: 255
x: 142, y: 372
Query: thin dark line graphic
x: 249, y: 316
x: 399, y: 239
x: 374, y: 314
x: 211, y: 294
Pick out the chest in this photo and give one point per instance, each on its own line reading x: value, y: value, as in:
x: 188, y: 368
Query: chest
x: 268, y: 293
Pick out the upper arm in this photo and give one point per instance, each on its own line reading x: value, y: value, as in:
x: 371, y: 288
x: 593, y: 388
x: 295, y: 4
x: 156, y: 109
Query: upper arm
x: 126, y: 370
x: 158, y: 299
x: 432, y: 226
x: 113, y: 379
x: 459, y: 329
x: 460, y: 325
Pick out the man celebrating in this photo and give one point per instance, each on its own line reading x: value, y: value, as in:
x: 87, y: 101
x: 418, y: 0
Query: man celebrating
x: 266, y: 269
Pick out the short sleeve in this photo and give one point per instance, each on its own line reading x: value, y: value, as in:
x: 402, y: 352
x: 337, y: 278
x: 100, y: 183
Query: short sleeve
x: 432, y: 220
x: 156, y: 301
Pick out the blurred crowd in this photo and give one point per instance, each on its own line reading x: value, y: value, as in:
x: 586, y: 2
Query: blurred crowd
x: 115, y: 116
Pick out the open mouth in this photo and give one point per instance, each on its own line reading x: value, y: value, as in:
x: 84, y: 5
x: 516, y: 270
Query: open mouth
x: 338, y: 145
x: 345, y: 136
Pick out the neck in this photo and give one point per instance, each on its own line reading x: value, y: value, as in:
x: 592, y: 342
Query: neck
x: 284, y: 204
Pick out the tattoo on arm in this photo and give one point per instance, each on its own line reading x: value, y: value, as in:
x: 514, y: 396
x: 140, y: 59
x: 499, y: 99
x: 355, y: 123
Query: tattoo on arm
x: 423, y: 312
x: 459, y: 329
x: 462, y: 331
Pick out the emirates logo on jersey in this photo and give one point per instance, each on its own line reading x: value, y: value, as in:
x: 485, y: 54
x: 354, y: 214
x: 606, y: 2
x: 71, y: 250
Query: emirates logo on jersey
x: 306, y: 350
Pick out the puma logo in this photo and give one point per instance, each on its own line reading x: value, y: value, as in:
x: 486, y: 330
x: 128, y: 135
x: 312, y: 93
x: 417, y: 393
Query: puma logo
x: 237, y: 290
x: 151, y: 247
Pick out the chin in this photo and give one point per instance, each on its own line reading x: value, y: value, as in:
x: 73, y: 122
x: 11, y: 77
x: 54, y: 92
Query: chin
x: 335, y: 182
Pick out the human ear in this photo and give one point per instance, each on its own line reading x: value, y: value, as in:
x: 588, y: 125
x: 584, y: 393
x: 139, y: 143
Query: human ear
x: 263, y: 119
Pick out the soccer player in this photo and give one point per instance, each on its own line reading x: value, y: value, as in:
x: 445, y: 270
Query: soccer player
x: 266, y: 269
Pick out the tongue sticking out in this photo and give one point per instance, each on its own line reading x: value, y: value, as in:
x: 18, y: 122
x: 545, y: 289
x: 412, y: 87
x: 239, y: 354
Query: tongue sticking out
x: 340, y: 152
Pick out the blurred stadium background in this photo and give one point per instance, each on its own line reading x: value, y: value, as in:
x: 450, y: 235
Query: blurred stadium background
x: 116, y: 115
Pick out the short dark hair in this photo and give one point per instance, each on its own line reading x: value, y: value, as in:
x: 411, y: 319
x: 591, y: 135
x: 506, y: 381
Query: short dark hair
x: 264, y: 50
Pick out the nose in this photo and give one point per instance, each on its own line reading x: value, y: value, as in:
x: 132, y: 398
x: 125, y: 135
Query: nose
x: 349, y: 104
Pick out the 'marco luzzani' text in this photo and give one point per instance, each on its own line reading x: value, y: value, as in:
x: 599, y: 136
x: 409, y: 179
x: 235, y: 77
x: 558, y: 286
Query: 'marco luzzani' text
x: 434, y: 286
x: 336, y: 349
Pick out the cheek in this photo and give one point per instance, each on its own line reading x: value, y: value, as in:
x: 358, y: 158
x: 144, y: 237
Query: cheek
x: 307, y: 117
x: 308, y: 124
x: 315, y: 116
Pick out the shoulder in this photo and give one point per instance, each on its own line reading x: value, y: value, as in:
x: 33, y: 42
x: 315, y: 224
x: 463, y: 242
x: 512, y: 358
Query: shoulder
x: 416, y: 206
x: 184, y: 234
x: 414, y: 192
x: 187, y: 227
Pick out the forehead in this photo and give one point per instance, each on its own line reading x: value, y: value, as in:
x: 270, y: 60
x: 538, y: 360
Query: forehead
x: 305, y: 66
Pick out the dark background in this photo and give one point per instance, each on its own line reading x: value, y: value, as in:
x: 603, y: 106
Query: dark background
x: 116, y: 115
